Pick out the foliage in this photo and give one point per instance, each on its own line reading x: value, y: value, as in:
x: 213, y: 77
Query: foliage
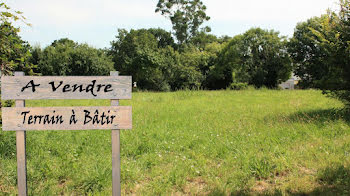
x: 321, y: 52
x: 137, y: 53
x: 8, y: 15
x: 157, y: 66
x: 186, y: 17
x: 344, y: 59
x: 337, y: 81
x: 65, y: 57
x: 202, y: 39
x: 14, y: 52
x: 310, y: 58
x: 186, y: 71
x: 163, y: 37
x: 36, y: 54
x: 220, y: 75
x: 238, y: 86
x: 258, y: 57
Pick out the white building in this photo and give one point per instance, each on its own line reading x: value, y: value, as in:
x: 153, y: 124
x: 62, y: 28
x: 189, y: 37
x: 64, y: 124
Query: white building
x: 290, y: 84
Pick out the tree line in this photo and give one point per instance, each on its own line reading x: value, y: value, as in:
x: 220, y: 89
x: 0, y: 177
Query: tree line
x: 189, y: 57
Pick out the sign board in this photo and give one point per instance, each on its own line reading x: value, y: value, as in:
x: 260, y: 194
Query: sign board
x: 22, y: 119
x: 68, y: 87
x: 66, y: 118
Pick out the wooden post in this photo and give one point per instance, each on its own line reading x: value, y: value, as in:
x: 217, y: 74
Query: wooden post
x: 21, y: 153
x: 116, y: 189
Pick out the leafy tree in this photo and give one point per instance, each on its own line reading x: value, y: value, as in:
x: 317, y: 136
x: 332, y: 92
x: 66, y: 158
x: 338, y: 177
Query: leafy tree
x: 65, y: 57
x: 224, y: 39
x: 202, y: 39
x: 163, y: 37
x: 320, y: 51
x: 155, y: 64
x: 229, y: 61
x: 343, y: 59
x: 186, y: 17
x: 14, y: 52
x: 335, y: 39
x: 186, y: 71
x: 139, y: 53
x: 310, y: 58
x: 258, y: 57
x: 36, y: 54
x: 64, y: 41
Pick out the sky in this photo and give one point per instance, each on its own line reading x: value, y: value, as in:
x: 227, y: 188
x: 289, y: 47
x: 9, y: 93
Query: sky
x: 96, y: 21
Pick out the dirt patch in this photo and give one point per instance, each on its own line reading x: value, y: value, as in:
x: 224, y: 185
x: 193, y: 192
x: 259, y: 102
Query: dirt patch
x: 266, y: 185
x: 195, y: 186
x: 135, y: 190
x: 260, y: 187
x: 307, y: 171
x: 7, y: 190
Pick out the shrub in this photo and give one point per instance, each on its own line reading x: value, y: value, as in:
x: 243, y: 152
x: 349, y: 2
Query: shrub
x: 65, y: 57
x: 239, y: 86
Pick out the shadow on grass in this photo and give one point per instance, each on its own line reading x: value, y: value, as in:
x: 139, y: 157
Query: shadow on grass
x: 332, y: 181
x: 320, y: 116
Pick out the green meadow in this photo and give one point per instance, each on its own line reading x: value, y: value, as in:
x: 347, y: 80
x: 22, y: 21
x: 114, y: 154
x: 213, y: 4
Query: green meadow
x: 253, y: 142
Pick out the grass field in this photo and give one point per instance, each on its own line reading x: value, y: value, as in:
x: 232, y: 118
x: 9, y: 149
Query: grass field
x: 196, y: 142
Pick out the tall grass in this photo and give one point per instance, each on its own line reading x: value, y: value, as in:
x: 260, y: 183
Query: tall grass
x: 195, y: 142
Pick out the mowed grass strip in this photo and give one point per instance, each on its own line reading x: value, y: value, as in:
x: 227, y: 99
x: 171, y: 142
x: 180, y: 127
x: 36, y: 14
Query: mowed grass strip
x: 195, y: 142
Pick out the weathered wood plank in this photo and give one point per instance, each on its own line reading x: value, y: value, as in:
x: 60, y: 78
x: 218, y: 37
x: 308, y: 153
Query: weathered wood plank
x: 21, y: 162
x: 115, y: 138
x: 66, y: 87
x: 21, y: 153
x: 59, y: 118
x: 116, y: 188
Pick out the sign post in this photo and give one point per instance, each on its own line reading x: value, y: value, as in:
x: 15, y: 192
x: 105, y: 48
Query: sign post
x: 116, y: 189
x: 21, y: 152
x: 22, y: 119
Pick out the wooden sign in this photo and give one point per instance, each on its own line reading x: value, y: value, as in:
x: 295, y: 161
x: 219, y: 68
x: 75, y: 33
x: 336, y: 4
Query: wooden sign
x: 21, y: 118
x: 65, y: 87
x: 66, y: 118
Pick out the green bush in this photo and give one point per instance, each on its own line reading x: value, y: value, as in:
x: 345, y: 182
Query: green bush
x: 258, y: 57
x: 146, y: 56
x: 64, y: 57
x: 239, y: 86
